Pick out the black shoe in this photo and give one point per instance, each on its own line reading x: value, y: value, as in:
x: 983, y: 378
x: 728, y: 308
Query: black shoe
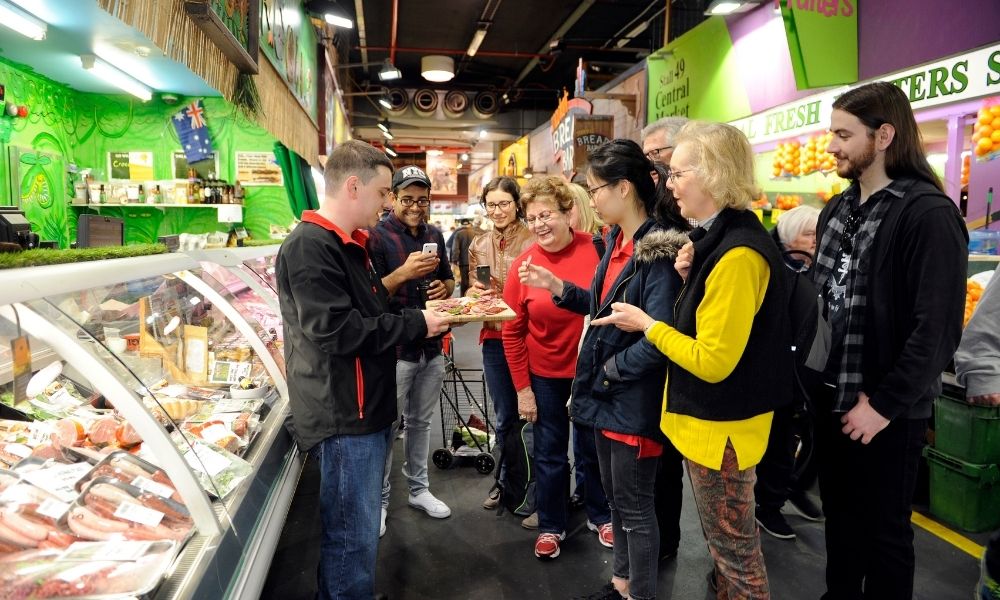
x: 804, y: 505
x: 772, y: 521
x: 608, y: 592
x: 711, y: 580
x: 666, y: 555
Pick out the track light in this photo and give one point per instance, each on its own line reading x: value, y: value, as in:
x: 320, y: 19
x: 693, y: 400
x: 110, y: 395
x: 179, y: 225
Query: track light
x: 383, y: 125
x: 389, y: 71
x: 384, y: 102
x: 331, y: 11
x: 390, y: 151
x: 477, y: 39
x: 116, y: 77
x: 21, y: 21
x: 387, y: 134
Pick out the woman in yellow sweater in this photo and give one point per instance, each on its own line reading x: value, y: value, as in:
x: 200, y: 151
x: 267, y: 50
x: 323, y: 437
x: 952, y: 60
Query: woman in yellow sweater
x: 730, y: 348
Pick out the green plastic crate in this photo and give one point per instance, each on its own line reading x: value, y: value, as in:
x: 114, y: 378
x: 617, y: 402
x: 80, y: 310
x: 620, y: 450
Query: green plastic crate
x: 966, y: 431
x: 963, y: 494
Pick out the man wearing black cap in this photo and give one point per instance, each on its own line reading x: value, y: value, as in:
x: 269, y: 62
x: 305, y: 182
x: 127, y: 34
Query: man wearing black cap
x: 413, y: 277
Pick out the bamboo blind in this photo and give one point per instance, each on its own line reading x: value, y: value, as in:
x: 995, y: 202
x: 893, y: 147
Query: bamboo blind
x: 167, y: 25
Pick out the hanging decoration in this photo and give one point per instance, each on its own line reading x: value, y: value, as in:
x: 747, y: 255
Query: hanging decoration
x: 193, y: 132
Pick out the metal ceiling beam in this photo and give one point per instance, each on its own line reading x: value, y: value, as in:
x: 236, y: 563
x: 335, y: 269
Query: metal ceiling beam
x: 573, y: 18
x: 359, y: 11
x: 499, y: 53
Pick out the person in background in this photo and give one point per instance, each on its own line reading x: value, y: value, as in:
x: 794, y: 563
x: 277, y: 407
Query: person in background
x: 658, y: 141
x: 497, y: 250
x: 340, y: 337
x: 977, y: 365
x: 618, y: 389
x: 459, y: 251
x: 541, y: 346
x: 730, y: 350
x: 891, y: 264
x: 412, y: 277
x: 788, y: 469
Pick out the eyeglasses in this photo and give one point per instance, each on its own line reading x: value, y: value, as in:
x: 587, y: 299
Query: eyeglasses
x: 674, y: 174
x: 655, y: 152
x: 408, y: 202
x: 593, y: 191
x: 544, y: 217
x: 502, y: 205
x: 851, y: 226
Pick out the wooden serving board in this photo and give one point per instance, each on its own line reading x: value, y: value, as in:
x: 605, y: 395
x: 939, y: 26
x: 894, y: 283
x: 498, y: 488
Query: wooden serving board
x: 506, y: 314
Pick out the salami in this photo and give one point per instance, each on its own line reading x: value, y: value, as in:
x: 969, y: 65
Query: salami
x: 103, y: 431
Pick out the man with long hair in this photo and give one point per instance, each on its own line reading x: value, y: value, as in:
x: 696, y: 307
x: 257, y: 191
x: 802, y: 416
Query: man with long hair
x: 891, y: 263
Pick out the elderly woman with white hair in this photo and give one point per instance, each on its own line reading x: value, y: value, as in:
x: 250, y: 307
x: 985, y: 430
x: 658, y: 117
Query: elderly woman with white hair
x: 796, y: 235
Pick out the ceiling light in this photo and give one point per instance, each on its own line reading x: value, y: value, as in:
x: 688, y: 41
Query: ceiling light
x: 338, y: 21
x: 390, y: 151
x: 389, y: 71
x: 724, y: 7
x: 22, y: 21
x: 528, y: 173
x: 477, y: 39
x: 437, y: 68
x: 383, y: 125
x: 482, y: 134
x: 387, y: 134
x: 465, y: 156
x: 331, y: 11
x: 384, y: 102
x: 116, y: 77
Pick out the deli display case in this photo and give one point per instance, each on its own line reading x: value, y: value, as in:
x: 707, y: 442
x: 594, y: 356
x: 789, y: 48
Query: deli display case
x: 143, y: 440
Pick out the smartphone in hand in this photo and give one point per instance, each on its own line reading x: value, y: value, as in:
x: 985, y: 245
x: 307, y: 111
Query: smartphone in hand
x: 430, y: 248
x: 483, y: 275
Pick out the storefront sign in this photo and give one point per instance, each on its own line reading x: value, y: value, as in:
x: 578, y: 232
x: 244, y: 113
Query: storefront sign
x: 956, y: 79
x: 563, y: 142
x: 288, y: 40
x: 134, y: 166
x: 514, y: 158
x: 234, y: 26
x: 822, y: 41
x: 258, y: 168
x: 589, y: 134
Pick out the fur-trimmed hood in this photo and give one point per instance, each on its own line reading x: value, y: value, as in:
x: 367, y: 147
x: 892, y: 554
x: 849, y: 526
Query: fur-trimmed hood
x: 659, y: 244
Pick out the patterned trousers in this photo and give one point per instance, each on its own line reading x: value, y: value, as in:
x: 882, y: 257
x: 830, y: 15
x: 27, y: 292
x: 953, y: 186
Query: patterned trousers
x: 726, y: 507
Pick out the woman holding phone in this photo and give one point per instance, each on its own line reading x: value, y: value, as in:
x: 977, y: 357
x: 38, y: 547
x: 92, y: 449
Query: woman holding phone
x: 496, y: 250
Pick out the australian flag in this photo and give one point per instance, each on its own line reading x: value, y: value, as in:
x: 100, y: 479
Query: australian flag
x: 191, y: 129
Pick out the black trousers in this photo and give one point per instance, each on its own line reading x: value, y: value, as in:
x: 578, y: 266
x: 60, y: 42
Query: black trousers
x: 866, y: 492
x: 668, y: 492
x: 780, y: 471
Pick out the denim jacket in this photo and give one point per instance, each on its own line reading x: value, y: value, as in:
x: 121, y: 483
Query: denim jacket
x: 620, y: 375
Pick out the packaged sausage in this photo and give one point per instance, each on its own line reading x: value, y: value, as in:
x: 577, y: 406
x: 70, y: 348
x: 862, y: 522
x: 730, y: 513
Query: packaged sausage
x: 110, y: 510
x: 126, y: 468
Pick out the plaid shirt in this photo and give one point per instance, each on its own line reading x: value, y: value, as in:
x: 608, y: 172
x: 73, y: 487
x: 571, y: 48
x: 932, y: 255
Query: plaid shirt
x: 389, y: 243
x: 840, y: 272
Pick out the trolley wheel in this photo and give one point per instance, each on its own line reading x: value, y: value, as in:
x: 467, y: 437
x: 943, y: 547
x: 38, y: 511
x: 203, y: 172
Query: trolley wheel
x: 442, y: 458
x: 485, y: 463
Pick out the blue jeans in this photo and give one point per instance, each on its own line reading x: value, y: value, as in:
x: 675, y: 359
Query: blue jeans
x: 551, y: 448
x: 418, y: 393
x: 595, y: 501
x: 630, y: 481
x: 501, y: 389
x: 350, y: 480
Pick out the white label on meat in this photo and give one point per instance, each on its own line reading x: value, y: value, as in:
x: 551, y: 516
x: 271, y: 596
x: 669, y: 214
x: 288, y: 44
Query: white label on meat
x: 59, y: 480
x: 62, y: 398
x: 214, y: 433
x: 52, y: 508
x: 210, y: 462
x: 139, y: 514
x: 117, y: 550
x: 18, y: 450
x: 148, y: 485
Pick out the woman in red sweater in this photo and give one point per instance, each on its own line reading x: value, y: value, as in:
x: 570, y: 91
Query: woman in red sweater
x: 541, y: 346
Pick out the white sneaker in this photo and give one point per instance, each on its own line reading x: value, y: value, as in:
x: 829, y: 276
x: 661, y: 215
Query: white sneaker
x: 426, y: 502
x: 381, y: 530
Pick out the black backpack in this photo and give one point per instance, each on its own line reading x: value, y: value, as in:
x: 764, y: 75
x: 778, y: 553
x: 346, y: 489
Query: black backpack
x: 811, y: 331
x: 517, y: 489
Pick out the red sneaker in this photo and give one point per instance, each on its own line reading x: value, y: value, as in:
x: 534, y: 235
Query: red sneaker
x: 547, y: 545
x: 605, y: 533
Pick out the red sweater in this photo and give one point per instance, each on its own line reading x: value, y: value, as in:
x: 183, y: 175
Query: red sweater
x: 543, y: 339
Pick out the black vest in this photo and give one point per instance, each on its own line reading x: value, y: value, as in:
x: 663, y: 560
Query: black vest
x: 762, y: 380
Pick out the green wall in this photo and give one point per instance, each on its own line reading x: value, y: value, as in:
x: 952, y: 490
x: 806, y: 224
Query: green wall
x: 65, y: 126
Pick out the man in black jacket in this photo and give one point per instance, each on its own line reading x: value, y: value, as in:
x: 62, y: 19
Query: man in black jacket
x: 891, y: 267
x: 340, y: 354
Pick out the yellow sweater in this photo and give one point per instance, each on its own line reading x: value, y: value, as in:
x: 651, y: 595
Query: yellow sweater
x: 724, y: 317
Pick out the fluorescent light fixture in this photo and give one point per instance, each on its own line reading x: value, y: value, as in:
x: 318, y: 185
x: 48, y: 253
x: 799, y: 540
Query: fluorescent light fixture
x: 723, y: 7
x: 22, y: 21
x: 387, y: 134
x: 482, y: 134
x: 437, y: 68
x: 338, y: 21
x: 390, y: 151
x: 384, y: 102
x: 383, y: 125
x: 477, y: 39
x: 116, y: 77
x: 389, y: 71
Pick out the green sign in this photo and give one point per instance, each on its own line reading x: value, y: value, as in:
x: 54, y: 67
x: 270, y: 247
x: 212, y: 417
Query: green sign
x: 205, y: 168
x: 288, y: 40
x: 696, y: 76
x: 822, y: 41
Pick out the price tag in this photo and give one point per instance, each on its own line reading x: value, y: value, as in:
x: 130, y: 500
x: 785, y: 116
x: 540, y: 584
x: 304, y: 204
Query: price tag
x: 206, y: 460
x: 21, y: 352
x: 62, y: 399
x: 148, y: 485
x: 59, y: 480
x: 139, y: 514
x: 53, y: 509
x: 214, y: 433
x: 19, y: 450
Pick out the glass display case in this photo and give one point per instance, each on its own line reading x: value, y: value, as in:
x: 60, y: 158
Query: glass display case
x: 144, y: 400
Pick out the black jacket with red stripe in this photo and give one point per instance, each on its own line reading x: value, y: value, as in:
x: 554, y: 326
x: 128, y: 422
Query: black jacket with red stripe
x: 340, y: 336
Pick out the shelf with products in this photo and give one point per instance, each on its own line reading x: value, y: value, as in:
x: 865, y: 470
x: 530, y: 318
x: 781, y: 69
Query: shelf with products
x: 145, y: 357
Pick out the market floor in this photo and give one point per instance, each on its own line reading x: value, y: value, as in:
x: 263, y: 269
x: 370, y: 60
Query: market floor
x: 477, y: 554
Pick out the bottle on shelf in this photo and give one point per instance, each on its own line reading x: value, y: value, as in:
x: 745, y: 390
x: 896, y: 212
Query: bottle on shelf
x: 194, y: 187
x: 142, y: 195
x: 102, y: 196
x: 238, y: 193
x: 155, y: 196
x: 206, y: 190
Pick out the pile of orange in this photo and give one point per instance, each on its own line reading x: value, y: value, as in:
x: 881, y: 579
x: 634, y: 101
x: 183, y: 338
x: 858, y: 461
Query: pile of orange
x: 787, y: 201
x: 986, y: 131
x: 973, y: 290
x: 965, y: 169
x: 761, y: 202
x: 787, y: 159
x: 815, y: 158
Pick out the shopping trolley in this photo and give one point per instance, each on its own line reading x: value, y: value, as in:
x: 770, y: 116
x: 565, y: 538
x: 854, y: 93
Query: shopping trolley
x: 465, y: 416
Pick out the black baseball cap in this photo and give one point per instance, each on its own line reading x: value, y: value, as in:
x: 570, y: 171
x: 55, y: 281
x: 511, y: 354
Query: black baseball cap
x: 409, y: 175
